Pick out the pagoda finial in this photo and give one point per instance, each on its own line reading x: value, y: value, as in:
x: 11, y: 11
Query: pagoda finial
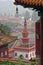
x: 25, y: 21
x: 16, y: 10
x: 17, y: 13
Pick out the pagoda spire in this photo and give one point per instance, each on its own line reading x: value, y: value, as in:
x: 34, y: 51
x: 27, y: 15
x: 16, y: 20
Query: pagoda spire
x: 25, y: 26
x: 17, y: 12
x: 25, y: 39
x: 25, y: 21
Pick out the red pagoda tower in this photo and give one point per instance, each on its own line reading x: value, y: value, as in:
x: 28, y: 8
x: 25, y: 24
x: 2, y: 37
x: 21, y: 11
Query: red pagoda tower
x: 25, y: 39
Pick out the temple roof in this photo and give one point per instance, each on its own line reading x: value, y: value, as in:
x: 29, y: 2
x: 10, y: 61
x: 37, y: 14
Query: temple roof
x: 18, y: 48
x: 5, y: 39
x: 24, y: 49
x: 36, y: 4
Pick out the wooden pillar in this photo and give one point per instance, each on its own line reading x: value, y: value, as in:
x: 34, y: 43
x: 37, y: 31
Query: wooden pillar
x: 37, y: 37
x: 41, y: 37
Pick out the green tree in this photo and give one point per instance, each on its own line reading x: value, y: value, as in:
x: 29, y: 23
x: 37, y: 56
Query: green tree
x: 21, y: 57
x: 20, y: 62
x: 7, y: 63
x: 4, y: 29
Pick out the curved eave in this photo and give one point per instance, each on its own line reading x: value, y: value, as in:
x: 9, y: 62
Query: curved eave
x: 37, y: 7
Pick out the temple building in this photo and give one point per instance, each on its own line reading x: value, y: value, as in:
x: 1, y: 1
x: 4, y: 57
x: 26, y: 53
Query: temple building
x: 23, y: 48
x: 5, y: 43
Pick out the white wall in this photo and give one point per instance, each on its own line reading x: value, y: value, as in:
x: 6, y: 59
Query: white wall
x: 23, y: 53
x: 32, y: 56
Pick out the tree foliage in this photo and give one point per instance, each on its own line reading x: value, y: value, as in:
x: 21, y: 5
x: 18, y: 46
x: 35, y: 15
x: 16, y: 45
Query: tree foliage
x: 6, y: 62
x: 21, y: 57
x: 4, y: 29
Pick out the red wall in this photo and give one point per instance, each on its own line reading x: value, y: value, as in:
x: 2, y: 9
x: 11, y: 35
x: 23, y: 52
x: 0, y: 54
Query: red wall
x: 25, y: 34
x: 3, y: 49
x: 25, y: 41
x: 37, y: 26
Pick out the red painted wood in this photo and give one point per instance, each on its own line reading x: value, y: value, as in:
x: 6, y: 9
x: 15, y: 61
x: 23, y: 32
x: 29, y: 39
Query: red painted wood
x: 41, y: 41
x: 2, y: 50
x: 37, y: 26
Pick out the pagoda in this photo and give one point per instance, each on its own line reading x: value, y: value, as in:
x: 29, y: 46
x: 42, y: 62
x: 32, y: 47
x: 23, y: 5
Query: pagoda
x: 24, y: 49
x: 25, y: 39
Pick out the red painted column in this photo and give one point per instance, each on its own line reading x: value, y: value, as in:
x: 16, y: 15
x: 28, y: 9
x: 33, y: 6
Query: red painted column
x: 41, y: 38
x: 37, y: 37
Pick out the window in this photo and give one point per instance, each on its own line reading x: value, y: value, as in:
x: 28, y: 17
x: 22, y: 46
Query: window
x: 15, y: 54
x: 26, y: 55
x: 5, y: 52
x: 1, y: 54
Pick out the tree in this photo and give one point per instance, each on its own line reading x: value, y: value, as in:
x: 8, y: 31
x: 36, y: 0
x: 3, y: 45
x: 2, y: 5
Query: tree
x: 4, y: 29
x: 6, y: 62
x: 21, y: 57
x: 20, y: 62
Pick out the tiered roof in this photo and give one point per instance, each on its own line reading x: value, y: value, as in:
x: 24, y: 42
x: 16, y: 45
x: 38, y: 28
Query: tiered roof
x: 25, y: 49
x: 21, y: 48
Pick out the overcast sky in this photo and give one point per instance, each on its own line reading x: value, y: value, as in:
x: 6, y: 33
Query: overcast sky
x: 7, y: 6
